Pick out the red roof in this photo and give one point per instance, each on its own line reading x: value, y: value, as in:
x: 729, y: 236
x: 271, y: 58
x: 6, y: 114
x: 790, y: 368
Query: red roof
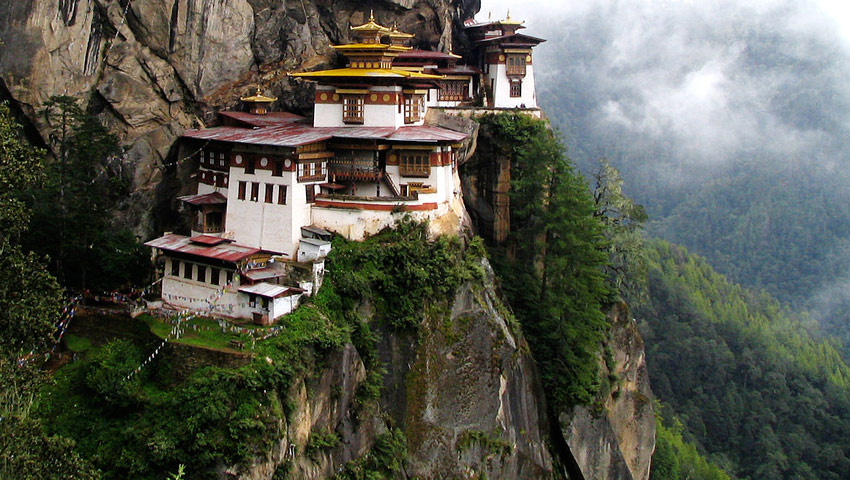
x: 295, y: 135
x: 214, y: 198
x: 268, y: 120
x: 458, y: 70
x: 228, y: 252
x: 515, y: 39
x: 209, y: 240
x: 417, y: 54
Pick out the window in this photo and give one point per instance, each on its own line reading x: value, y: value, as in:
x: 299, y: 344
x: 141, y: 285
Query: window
x: 453, y: 91
x: 249, y: 165
x: 277, y: 171
x: 187, y: 271
x: 281, y: 195
x: 175, y: 268
x: 312, y: 171
x: 255, y: 191
x: 516, y: 89
x: 516, y: 64
x: 229, y: 276
x: 413, y: 108
x: 269, y: 193
x: 214, y: 275
x: 241, y: 193
x: 352, y: 108
x: 201, y: 275
x: 415, y: 164
x: 311, y: 193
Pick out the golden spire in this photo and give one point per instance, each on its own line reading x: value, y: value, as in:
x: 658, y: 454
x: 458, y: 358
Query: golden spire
x: 258, y: 97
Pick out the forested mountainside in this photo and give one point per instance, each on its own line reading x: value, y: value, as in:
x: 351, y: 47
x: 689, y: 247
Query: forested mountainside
x: 761, y: 395
x: 730, y: 129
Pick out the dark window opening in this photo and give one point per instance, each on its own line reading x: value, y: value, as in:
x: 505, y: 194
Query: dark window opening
x: 255, y: 191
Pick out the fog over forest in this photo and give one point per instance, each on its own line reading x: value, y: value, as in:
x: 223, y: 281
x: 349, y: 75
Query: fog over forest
x: 730, y: 121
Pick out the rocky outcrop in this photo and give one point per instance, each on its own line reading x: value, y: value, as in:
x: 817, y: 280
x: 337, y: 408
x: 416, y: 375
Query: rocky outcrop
x: 152, y: 68
x: 463, y: 391
x: 473, y: 403
x: 618, y: 441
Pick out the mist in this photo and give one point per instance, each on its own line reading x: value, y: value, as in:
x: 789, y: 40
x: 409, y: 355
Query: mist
x: 693, y: 100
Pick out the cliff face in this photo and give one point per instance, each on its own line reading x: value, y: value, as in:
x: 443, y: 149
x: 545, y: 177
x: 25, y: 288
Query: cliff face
x: 618, y: 442
x: 152, y: 68
x: 463, y: 391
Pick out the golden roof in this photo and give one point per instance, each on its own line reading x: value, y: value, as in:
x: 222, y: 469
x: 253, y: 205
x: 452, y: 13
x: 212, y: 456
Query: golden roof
x: 371, y: 46
x: 370, y: 27
x: 258, y: 97
x: 367, y: 72
x: 396, y: 33
x: 509, y: 21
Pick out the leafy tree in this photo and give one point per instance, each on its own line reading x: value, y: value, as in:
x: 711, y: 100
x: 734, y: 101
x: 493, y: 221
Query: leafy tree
x: 749, y: 383
x: 29, y: 307
x: 71, y: 220
x: 623, y: 221
x: 552, y: 267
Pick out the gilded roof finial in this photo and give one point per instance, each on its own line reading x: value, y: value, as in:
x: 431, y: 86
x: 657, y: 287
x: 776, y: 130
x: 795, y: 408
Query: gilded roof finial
x: 371, y: 15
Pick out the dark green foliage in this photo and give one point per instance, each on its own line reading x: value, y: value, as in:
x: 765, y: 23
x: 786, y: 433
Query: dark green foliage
x: 321, y: 441
x: 30, y: 301
x: 552, y: 268
x: 107, y: 369
x: 72, y: 213
x: 402, y: 272
x: 748, y: 382
x: 147, y: 426
x: 676, y: 459
x: 383, y: 462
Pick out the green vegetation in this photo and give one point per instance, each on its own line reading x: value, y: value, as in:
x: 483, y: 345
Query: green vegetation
x: 208, y: 333
x: 321, y: 441
x: 146, y: 426
x: 752, y: 388
x: 384, y: 461
x: 30, y: 302
x: 552, y: 267
x: 72, y: 221
x: 77, y: 344
x: 492, y: 444
x: 676, y: 459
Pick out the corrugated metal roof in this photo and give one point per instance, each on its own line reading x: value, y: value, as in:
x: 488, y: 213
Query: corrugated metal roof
x: 269, y: 290
x: 273, y: 271
x: 214, y: 198
x: 417, y: 54
x: 228, y: 252
x: 426, y: 134
x: 209, y: 240
x: 297, y: 135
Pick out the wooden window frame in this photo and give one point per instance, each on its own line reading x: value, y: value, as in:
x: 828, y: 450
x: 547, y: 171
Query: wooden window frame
x: 415, y: 163
x: 269, y: 197
x: 414, y: 107
x: 515, y: 64
x: 243, y: 186
x: 352, y: 108
x: 187, y: 270
x: 281, y: 194
x: 175, y: 268
x: 516, y: 89
x: 201, y: 274
x: 215, y: 276
x: 310, y: 193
